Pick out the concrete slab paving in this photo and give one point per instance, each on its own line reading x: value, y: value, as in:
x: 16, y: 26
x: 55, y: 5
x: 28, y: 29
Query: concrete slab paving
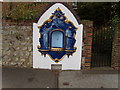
x: 78, y: 79
x: 36, y: 78
x: 27, y: 78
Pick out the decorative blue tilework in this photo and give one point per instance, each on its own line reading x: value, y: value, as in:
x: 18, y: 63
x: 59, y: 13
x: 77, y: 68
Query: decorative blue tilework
x: 57, y: 36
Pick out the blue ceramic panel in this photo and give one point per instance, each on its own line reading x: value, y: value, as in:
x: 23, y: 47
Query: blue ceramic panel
x: 57, y: 39
x: 57, y: 36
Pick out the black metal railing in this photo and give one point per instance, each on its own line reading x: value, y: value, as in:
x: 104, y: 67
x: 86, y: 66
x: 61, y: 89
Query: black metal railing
x: 102, y: 47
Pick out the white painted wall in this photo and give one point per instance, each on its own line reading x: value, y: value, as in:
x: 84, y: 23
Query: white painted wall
x: 71, y: 63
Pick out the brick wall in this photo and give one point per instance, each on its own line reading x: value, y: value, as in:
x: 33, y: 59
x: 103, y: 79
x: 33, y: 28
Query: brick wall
x: 116, y: 51
x: 17, y: 46
x: 87, y: 44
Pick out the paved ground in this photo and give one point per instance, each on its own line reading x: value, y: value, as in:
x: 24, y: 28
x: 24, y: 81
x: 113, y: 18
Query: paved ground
x: 88, y: 79
x: 29, y: 78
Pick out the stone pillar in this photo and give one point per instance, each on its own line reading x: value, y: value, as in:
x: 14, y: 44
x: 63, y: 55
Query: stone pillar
x: 116, y: 51
x: 87, y: 44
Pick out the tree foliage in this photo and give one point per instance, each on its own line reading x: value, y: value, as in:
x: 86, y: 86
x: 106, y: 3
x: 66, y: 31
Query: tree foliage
x: 99, y: 12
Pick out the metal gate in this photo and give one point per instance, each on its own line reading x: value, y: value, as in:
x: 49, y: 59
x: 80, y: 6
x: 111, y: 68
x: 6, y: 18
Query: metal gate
x: 102, y: 47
